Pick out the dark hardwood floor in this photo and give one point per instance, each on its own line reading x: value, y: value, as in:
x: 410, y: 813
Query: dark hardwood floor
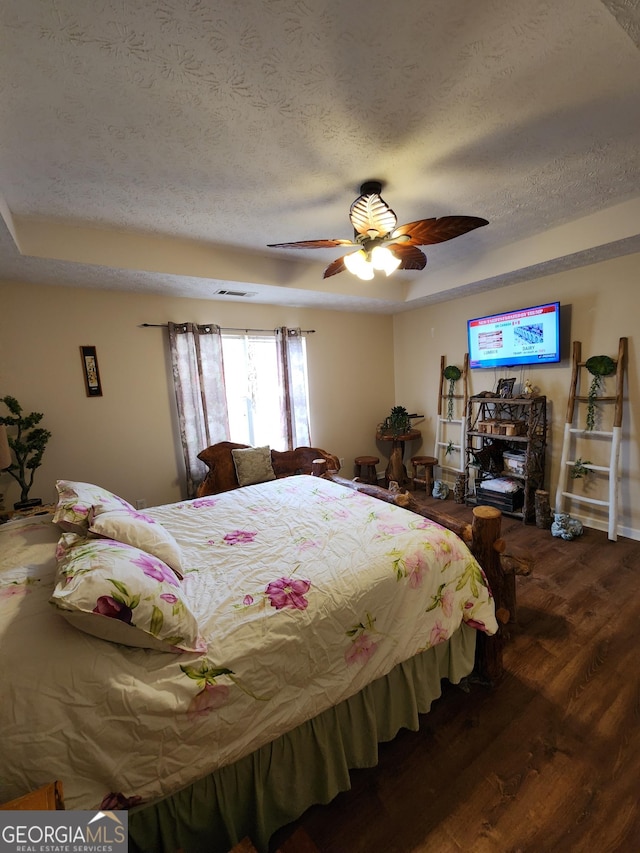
x: 547, y: 760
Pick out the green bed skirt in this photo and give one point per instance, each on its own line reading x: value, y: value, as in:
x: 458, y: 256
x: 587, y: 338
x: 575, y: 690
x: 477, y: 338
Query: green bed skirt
x: 274, y: 785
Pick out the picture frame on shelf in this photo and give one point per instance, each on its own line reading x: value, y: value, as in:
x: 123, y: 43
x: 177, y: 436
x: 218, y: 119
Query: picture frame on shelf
x: 505, y: 388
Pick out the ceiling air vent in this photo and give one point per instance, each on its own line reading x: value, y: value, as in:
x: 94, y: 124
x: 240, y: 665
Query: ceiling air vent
x: 233, y: 293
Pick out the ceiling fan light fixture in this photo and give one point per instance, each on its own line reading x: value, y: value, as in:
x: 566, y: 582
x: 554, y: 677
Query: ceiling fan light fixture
x: 383, y: 259
x: 376, y: 228
x: 358, y: 264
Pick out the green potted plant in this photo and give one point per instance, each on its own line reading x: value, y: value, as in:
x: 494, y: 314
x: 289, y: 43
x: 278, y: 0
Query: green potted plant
x: 398, y: 422
x: 27, y: 444
x: 580, y: 468
x: 452, y: 373
x: 598, y: 366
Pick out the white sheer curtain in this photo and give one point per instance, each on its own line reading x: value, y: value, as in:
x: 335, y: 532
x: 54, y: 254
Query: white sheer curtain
x: 198, y: 378
x: 201, y: 394
x: 292, y: 367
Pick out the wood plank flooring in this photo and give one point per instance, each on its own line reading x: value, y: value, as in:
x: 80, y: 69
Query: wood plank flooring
x: 549, y: 759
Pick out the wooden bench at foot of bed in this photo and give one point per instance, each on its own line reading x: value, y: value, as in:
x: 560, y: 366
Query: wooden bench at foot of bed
x: 488, y: 547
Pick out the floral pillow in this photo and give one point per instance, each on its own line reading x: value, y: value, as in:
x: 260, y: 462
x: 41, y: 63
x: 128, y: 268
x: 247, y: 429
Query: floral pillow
x: 77, y: 500
x: 253, y: 465
x: 124, y: 595
x: 141, y: 531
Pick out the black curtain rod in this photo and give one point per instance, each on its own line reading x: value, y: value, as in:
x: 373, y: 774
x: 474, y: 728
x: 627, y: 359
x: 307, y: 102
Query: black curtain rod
x: 222, y: 328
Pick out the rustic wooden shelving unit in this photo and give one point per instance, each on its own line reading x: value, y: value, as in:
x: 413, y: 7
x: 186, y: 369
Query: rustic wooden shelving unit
x: 496, y: 425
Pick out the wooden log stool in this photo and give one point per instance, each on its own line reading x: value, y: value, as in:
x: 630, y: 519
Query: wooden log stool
x: 366, y: 469
x: 426, y: 462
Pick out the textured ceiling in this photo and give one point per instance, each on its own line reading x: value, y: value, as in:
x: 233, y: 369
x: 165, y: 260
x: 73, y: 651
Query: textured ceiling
x: 160, y: 145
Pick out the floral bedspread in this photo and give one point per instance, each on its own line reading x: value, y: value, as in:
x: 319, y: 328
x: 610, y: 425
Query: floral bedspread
x: 304, y: 592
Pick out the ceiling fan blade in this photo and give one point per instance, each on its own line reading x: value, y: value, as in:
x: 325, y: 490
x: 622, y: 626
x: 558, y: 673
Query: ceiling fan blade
x: 312, y: 244
x: 424, y: 232
x: 411, y: 258
x: 334, y: 268
x: 371, y: 213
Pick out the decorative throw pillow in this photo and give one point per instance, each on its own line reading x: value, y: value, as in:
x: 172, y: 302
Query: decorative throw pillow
x: 77, y: 500
x: 253, y: 465
x: 141, y: 531
x: 124, y: 595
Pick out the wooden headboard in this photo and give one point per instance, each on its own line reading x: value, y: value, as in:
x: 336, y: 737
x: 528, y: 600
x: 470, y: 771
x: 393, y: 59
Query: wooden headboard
x: 222, y: 473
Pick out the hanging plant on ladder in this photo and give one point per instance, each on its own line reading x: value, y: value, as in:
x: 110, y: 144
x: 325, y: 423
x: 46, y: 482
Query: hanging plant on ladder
x: 598, y: 366
x: 580, y: 469
x: 452, y: 373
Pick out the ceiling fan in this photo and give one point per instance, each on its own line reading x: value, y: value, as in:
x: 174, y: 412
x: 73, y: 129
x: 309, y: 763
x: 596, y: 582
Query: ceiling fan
x: 380, y: 244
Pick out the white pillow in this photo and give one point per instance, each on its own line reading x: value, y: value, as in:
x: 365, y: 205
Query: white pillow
x: 123, y: 595
x: 77, y: 500
x: 253, y: 465
x: 139, y: 530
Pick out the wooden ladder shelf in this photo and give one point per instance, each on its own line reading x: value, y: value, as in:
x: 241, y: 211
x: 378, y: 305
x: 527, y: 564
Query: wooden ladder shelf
x: 574, y: 433
x: 444, y: 442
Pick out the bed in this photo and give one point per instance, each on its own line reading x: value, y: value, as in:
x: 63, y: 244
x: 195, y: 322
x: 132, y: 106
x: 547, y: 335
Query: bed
x: 217, y: 665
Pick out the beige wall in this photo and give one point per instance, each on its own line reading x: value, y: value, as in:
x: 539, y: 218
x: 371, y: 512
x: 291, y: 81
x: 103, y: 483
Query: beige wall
x: 126, y: 440
x: 601, y: 303
x: 359, y: 366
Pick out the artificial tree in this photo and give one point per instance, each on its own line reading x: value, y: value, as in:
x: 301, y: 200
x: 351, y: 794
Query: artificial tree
x: 27, y: 444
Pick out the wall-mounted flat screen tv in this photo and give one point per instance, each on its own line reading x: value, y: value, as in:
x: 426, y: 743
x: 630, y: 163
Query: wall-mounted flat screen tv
x: 526, y: 336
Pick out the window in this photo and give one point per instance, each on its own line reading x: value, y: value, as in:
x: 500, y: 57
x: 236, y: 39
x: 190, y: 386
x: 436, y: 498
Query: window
x: 255, y: 393
x: 246, y: 387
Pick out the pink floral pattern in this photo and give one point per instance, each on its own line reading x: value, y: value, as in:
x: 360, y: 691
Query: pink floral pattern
x: 307, y: 544
x: 212, y: 695
x: 444, y: 598
x: 360, y: 649
x: 198, y: 503
x: 154, y: 568
x: 388, y: 529
x: 288, y: 592
x: 107, y: 605
x: 476, y: 623
x: 239, y: 537
x: 116, y: 801
x: 439, y: 633
x: 415, y: 567
x: 362, y: 646
x: 17, y: 588
x: 412, y: 565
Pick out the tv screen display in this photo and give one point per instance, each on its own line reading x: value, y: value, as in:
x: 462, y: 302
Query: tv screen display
x: 525, y: 336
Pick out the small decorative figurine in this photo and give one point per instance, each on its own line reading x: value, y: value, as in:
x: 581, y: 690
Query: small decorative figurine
x: 440, y: 490
x: 566, y: 527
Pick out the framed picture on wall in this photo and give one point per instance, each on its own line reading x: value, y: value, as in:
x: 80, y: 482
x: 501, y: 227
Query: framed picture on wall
x: 91, y: 373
